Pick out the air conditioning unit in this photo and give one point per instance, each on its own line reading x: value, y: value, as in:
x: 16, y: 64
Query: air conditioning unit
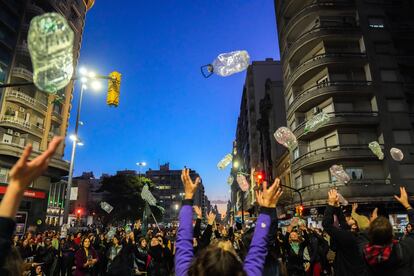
x: 10, y: 131
x: 316, y: 110
x: 16, y: 133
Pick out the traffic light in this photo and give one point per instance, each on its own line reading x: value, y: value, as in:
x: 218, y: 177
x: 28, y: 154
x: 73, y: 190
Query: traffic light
x: 114, y: 86
x: 299, y: 210
x: 260, y: 177
x: 78, y: 213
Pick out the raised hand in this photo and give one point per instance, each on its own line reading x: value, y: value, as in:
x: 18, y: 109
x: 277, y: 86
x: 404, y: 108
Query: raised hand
x: 190, y: 187
x: 333, y: 198
x: 269, y: 196
x: 374, y: 215
x: 403, y: 199
x: 198, y: 212
x: 25, y: 172
x: 354, y: 207
x: 211, y: 218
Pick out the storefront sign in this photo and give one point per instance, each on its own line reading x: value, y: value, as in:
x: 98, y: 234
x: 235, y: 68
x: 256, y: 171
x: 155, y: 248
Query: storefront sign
x: 27, y: 193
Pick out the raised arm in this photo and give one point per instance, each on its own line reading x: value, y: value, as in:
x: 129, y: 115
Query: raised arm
x: 267, y: 199
x: 403, y: 199
x: 184, y: 245
x: 21, y: 175
x: 197, y: 227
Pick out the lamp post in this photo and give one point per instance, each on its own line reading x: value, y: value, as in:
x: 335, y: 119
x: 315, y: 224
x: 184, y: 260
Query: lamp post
x: 140, y: 165
x: 85, y: 77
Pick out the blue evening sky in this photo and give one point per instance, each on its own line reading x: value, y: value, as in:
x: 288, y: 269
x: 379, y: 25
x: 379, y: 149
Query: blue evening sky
x: 168, y: 111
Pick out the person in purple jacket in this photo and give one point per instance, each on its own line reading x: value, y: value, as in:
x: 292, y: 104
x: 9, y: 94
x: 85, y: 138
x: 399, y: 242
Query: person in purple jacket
x: 220, y: 259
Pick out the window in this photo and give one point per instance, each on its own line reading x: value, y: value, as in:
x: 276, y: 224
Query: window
x: 331, y: 141
x: 22, y: 142
x: 164, y: 187
x: 3, y: 175
x: 295, y: 153
x: 355, y: 173
x: 389, y: 75
x: 395, y: 105
x: 349, y: 139
x: 35, y: 146
x: 7, y: 138
x: 344, y: 107
x: 298, y: 182
x: 322, y: 82
x: 402, y: 137
x: 376, y: 22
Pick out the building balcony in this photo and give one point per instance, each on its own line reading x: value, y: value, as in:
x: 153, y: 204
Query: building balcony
x: 320, y: 7
x: 316, y: 94
x: 338, y: 119
x: 320, y: 34
x: 308, y: 68
x: 23, y: 49
x: 361, y: 190
x: 11, y: 121
x: 56, y: 117
x: 56, y: 165
x: 22, y: 98
x: 327, y: 156
x: 22, y: 73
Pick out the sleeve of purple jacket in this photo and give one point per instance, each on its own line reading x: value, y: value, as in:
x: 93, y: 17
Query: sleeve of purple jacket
x: 255, y: 259
x: 184, y: 246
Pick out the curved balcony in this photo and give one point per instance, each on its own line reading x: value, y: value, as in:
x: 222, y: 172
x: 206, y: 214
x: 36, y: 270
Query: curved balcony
x: 335, y: 59
x: 56, y: 117
x: 11, y: 121
x: 22, y: 98
x: 22, y: 73
x: 316, y: 94
x: 316, y: 8
x: 319, y: 33
x: 361, y: 190
x: 23, y: 50
x: 339, y: 119
x: 56, y: 165
x: 325, y: 156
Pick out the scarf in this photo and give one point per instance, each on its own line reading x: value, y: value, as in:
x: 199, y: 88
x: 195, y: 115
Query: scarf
x: 295, y: 247
x: 377, y: 254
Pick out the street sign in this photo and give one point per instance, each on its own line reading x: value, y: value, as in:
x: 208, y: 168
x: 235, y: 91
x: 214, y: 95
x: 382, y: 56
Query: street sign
x: 73, y: 193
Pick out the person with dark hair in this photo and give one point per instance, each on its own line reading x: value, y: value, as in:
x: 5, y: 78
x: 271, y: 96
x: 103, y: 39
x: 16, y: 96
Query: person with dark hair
x: 21, y: 175
x: 219, y: 259
x: 159, y: 258
x: 141, y: 256
x: 69, y: 249
x: 85, y: 259
x: 383, y: 254
x: 295, y: 245
x: 348, y: 260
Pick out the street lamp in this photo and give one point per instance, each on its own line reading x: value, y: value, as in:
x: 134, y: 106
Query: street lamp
x: 140, y: 165
x: 85, y: 78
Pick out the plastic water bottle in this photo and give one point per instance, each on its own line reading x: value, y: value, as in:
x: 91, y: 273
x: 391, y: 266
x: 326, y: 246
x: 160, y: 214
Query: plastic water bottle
x: 376, y: 149
x: 285, y: 137
x: 50, y: 43
x: 316, y: 122
x: 227, y: 64
x: 225, y: 161
x: 396, y: 154
x: 230, y: 180
x: 339, y: 173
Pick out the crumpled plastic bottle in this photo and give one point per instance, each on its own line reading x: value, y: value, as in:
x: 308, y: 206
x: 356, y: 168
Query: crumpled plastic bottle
x: 148, y: 196
x: 285, y: 137
x: 230, y: 180
x: 396, y: 154
x: 316, y: 122
x: 225, y: 161
x: 227, y: 64
x: 50, y: 43
x: 243, y: 183
x: 106, y: 207
x: 339, y: 173
x: 376, y: 149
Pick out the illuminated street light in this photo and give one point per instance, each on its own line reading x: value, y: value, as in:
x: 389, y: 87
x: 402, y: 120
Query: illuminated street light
x: 236, y: 164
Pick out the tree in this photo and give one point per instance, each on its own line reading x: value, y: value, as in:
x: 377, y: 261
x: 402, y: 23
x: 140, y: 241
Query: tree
x: 123, y: 192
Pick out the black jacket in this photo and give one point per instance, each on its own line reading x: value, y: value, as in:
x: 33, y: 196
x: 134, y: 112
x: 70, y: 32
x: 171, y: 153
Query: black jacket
x: 6, y: 231
x: 348, y: 261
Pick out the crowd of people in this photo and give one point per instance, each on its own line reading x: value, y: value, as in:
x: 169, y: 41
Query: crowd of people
x: 348, y: 243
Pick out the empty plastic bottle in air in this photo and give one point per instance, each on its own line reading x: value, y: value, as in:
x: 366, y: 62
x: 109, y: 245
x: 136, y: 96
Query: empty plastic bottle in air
x: 316, y: 122
x: 285, y: 137
x: 339, y: 173
x: 376, y: 149
x: 50, y: 43
x: 342, y: 200
x: 227, y: 64
x: 225, y: 161
x: 396, y: 154
x: 106, y: 207
x: 243, y: 183
x: 230, y: 180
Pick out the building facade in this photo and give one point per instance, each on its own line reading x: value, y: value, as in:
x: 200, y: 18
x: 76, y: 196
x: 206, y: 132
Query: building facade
x: 170, y: 190
x: 27, y: 115
x: 354, y: 61
x: 261, y: 113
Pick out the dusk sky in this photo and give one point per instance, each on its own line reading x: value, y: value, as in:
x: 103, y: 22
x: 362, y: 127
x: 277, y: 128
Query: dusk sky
x: 168, y: 111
